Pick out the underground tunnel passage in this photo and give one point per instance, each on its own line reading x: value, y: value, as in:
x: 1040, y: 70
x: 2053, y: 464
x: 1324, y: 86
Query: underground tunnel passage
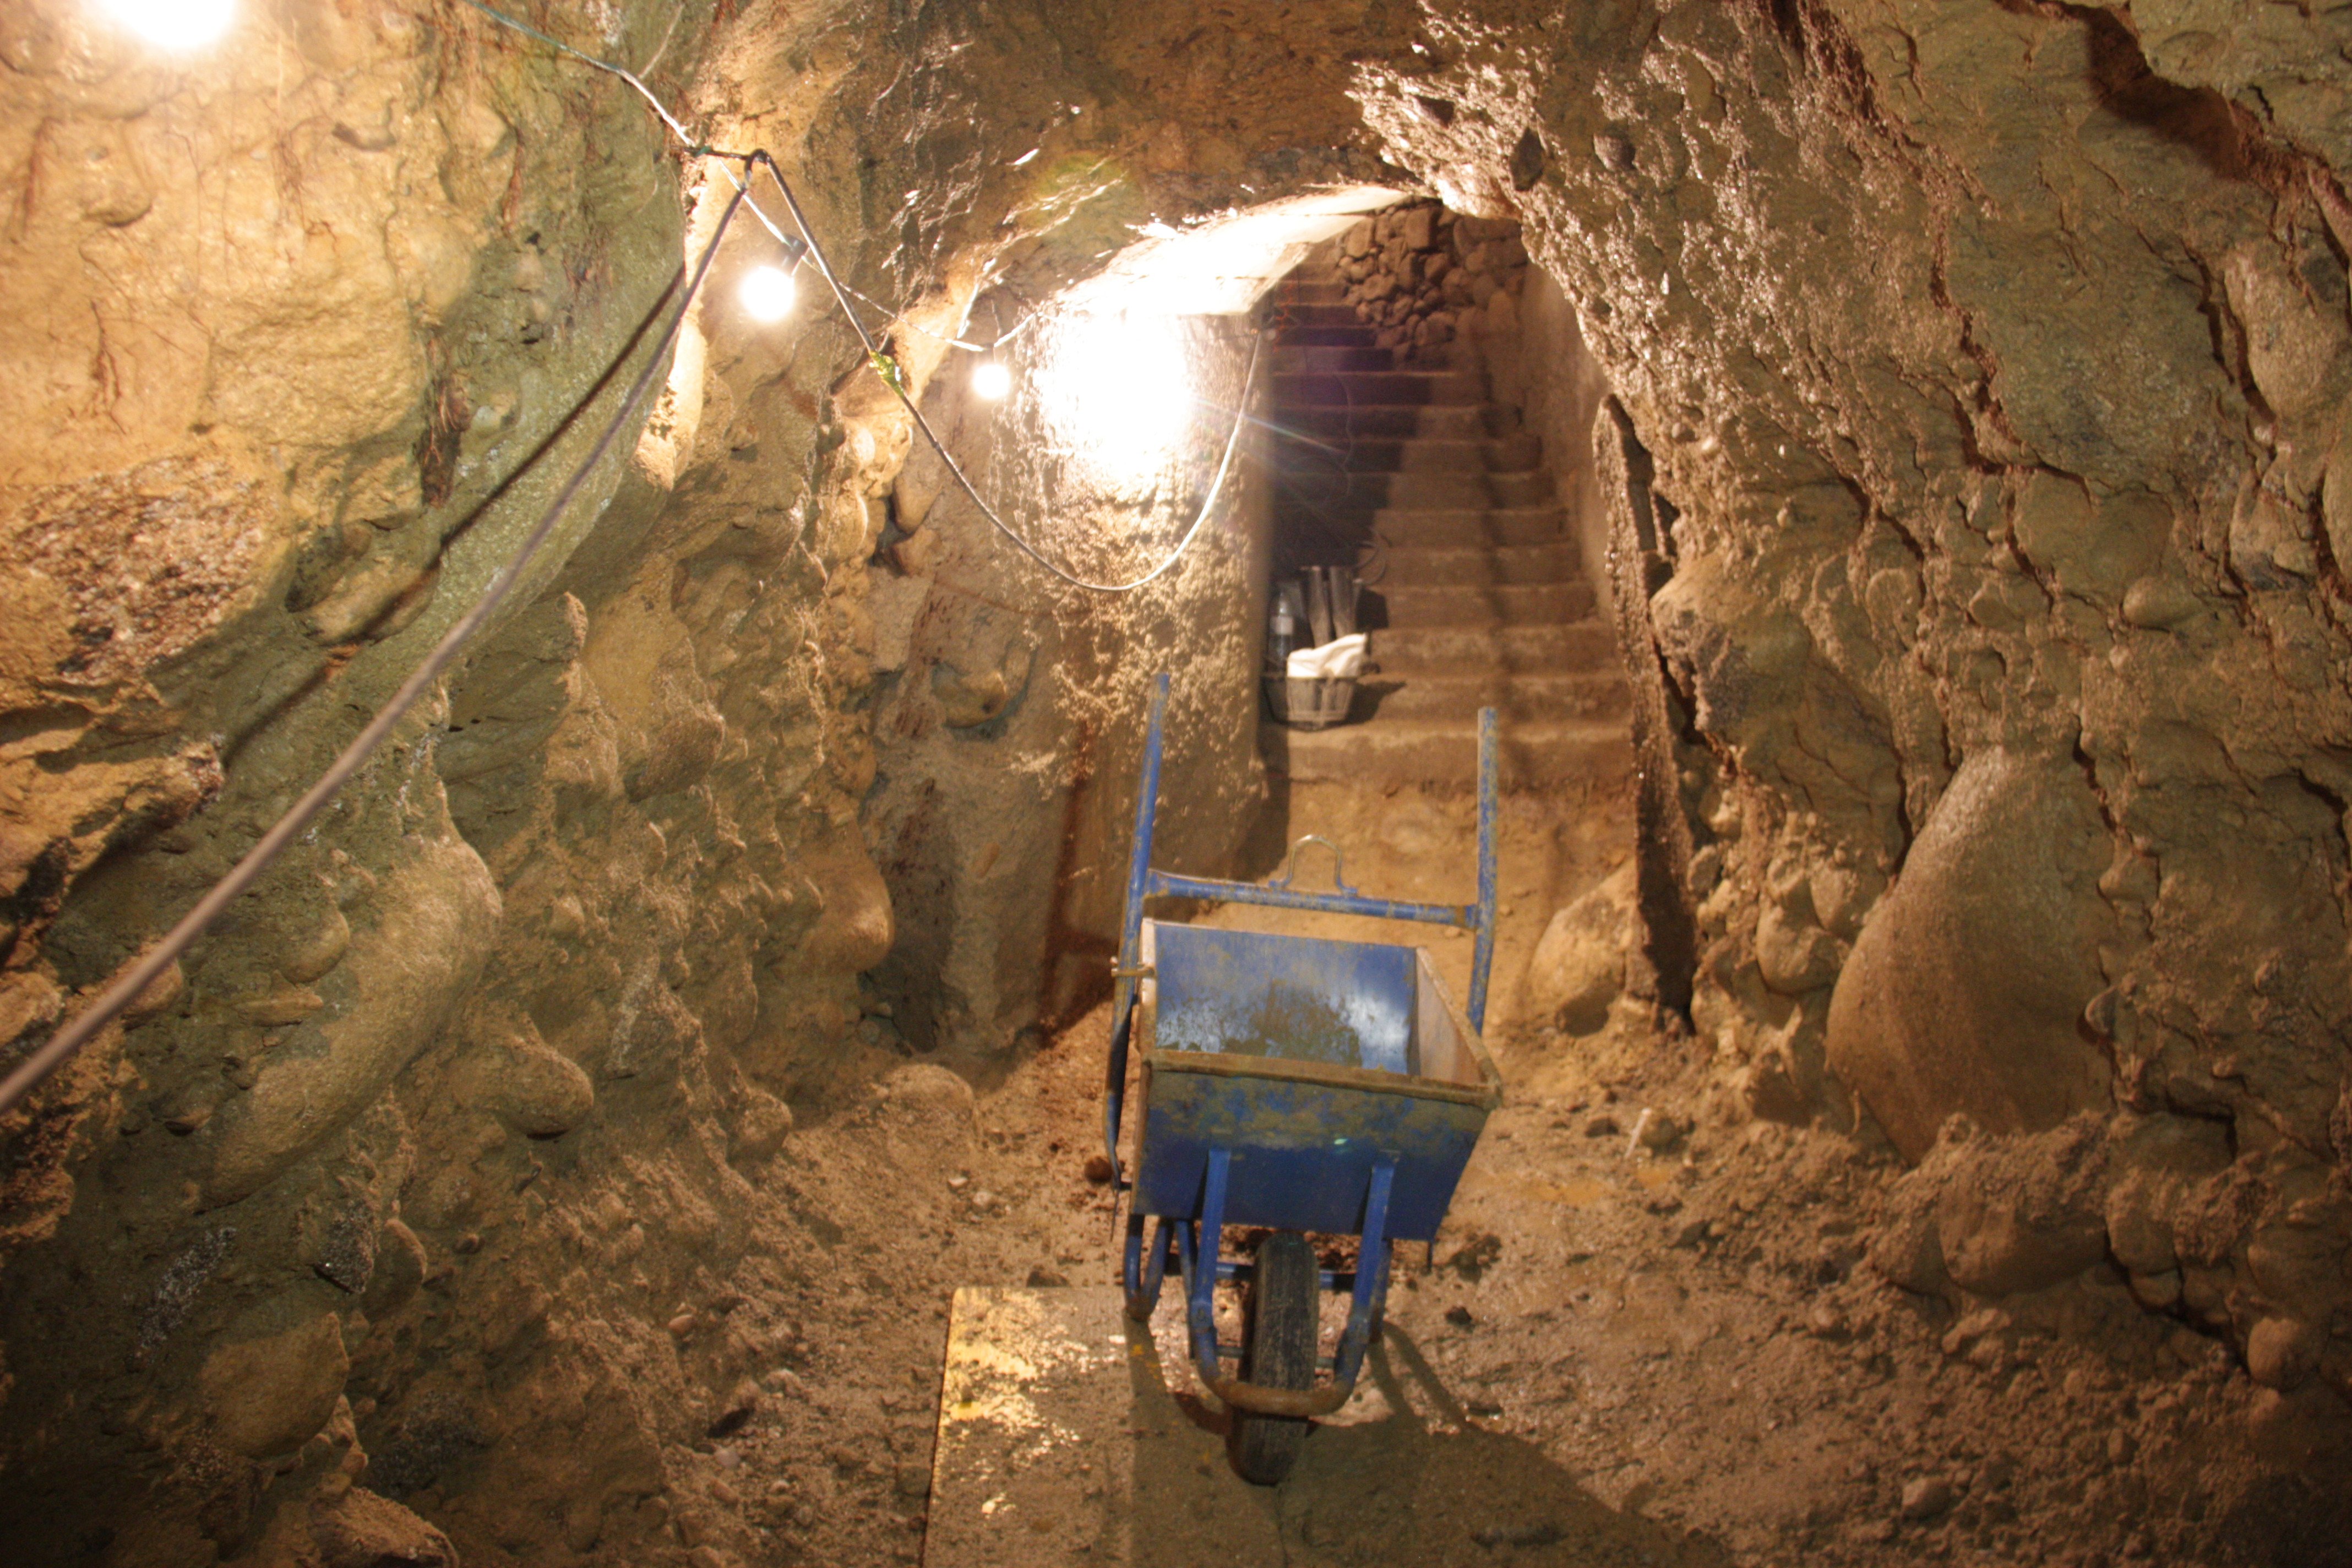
x: 582, y: 594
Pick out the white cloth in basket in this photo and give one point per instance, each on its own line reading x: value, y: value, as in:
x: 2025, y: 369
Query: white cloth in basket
x: 1341, y: 659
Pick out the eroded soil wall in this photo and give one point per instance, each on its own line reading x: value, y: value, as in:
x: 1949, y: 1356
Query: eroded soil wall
x: 1982, y: 374
x: 1979, y: 373
x: 455, y: 1155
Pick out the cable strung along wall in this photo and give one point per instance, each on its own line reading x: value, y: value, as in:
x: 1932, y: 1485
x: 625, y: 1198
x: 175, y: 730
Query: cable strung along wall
x: 1008, y: 718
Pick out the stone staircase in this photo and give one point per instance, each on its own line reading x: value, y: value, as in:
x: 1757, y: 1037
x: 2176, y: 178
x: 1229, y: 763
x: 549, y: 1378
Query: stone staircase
x: 1469, y: 554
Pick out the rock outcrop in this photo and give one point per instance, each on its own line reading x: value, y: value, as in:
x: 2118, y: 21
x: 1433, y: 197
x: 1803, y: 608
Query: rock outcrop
x: 1965, y: 990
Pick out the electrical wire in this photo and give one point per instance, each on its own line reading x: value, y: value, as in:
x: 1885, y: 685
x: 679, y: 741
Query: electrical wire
x: 884, y: 365
x: 28, y: 1074
x: 993, y: 345
x: 696, y: 147
x: 887, y: 370
x: 35, y: 1068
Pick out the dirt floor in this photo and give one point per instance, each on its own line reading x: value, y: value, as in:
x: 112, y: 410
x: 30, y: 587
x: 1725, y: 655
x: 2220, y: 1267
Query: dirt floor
x: 1646, y: 1335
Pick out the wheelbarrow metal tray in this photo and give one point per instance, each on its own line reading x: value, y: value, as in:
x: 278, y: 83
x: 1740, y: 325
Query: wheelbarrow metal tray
x: 1311, y: 1061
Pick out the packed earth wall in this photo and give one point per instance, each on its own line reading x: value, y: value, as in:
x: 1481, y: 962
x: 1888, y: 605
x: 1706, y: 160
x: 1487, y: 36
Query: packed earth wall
x: 2005, y: 680
x: 1981, y: 513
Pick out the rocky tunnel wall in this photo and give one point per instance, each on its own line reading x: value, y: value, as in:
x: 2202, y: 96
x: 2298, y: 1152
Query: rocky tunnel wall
x: 1980, y: 371
x: 455, y: 1157
x: 1979, y: 368
x: 1010, y: 706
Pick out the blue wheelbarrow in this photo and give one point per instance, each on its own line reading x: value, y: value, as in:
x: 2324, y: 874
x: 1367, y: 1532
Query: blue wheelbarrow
x: 1295, y: 1085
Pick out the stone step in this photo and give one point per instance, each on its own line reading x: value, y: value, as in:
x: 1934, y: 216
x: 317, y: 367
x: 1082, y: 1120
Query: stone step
x: 1451, y: 490
x: 1302, y: 359
x: 1320, y: 319
x: 1467, y: 528
x: 1577, y: 647
x: 1353, y: 388
x: 1419, y: 490
x: 1457, y: 694
x: 1495, y: 565
x: 1452, y: 421
x: 1413, y: 454
x: 1327, y: 335
x: 1526, y: 605
x: 1532, y: 753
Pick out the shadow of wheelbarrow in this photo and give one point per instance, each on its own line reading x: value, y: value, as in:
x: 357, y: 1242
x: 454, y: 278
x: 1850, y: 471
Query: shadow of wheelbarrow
x: 1409, y: 1479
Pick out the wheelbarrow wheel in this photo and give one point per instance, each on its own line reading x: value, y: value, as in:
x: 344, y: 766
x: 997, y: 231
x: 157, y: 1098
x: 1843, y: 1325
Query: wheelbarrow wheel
x: 1279, y: 1354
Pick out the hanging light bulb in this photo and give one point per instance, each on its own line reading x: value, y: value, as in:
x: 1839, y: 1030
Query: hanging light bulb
x: 767, y: 293
x: 173, y: 23
x: 990, y: 380
x: 1116, y: 391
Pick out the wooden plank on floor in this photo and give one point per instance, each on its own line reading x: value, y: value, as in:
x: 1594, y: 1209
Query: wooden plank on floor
x: 1060, y: 1446
x: 1031, y: 1469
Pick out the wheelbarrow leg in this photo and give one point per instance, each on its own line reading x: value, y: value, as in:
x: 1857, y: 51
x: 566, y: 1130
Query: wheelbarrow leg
x: 1199, y: 1260
x: 1144, y: 1270
x: 1372, y: 1279
x: 1381, y: 1290
x: 1130, y: 1269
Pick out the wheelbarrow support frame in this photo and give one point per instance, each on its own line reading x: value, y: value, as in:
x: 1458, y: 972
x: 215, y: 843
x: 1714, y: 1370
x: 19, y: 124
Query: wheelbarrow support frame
x: 1193, y: 1243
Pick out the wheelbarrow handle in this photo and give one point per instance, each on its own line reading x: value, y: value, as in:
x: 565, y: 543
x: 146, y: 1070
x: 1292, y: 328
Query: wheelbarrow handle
x: 1130, y: 936
x: 1482, y: 957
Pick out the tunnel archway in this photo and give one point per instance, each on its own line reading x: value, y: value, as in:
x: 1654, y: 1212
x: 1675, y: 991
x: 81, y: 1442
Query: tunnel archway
x: 500, y: 1175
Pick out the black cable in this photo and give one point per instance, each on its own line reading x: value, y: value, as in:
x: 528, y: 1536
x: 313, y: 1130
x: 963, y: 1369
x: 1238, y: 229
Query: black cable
x: 28, y: 1074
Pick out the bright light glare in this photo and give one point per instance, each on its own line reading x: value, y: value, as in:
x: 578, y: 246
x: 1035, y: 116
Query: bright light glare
x: 766, y: 293
x: 990, y: 380
x: 1118, y: 393
x: 173, y: 23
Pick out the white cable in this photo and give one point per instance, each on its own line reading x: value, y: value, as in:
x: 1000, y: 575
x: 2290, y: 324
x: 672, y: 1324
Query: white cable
x: 696, y: 147
x: 884, y: 368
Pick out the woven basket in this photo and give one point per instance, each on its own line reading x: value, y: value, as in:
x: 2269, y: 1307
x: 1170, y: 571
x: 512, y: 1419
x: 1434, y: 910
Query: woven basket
x: 1309, y: 704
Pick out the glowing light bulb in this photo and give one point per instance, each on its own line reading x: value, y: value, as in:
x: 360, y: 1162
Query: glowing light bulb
x: 1117, y: 392
x: 990, y: 380
x: 173, y: 23
x: 767, y: 293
